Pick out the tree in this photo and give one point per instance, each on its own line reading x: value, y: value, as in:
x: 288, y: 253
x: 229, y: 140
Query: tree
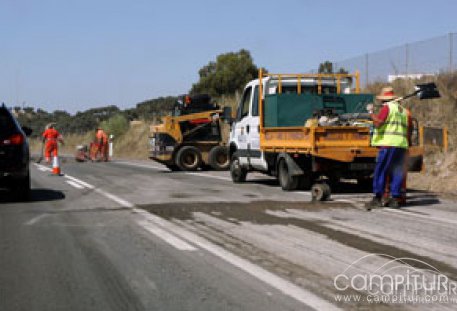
x: 228, y: 74
x: 326, y: 67
x: 116, y: 125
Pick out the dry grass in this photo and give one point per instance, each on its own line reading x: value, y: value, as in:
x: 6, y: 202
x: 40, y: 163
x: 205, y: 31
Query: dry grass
x: 131, y: 145
x: 437, y: 112
x: 71, y: 141
x: 134, y: 143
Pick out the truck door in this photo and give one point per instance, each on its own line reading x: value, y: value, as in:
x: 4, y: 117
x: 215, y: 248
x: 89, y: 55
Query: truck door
x: 241, y: 126
x: 253, y: 132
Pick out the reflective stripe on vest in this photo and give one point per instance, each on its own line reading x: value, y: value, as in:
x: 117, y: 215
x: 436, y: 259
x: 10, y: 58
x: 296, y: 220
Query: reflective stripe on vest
x: 394, y: 132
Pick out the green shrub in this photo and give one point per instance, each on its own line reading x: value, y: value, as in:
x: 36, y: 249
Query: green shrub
x: 117, y: 125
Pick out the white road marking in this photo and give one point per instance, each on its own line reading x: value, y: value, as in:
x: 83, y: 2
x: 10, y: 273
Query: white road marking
x: 42, y: 167
x: 35, y: 220
x: 208, y: 175
x: 74, y: 184
x: 167, y: 237
x: 79, y: 181
x: 142, y: 165
x: 164, y: 168
x: 284, y: 286
x: 114, y: 198
x: 426, y: 217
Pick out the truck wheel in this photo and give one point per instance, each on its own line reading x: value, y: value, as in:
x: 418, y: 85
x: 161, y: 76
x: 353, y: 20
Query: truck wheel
x: 287, y: 182
x: 218, y: 158
x: 188, y: 158
x: 237, y: 172
x: 320, y: 192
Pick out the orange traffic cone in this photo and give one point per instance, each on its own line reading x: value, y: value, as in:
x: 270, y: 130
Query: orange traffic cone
x: 55, y: 166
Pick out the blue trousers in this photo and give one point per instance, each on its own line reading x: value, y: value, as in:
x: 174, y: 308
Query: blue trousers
x: 390, y: 162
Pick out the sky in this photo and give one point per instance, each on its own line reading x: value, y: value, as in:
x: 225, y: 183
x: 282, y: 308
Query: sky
x: 75, y: 55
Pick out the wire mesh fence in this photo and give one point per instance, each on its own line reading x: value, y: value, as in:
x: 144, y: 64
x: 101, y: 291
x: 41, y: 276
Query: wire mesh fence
x: 411, y: 60
x: 435, y: 136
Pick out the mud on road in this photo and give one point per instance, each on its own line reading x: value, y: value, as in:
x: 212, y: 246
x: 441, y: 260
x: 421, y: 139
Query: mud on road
x: 305, y: 242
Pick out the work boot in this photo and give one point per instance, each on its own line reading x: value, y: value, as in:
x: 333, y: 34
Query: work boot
x: 394, y: 203
x: 374, y: 203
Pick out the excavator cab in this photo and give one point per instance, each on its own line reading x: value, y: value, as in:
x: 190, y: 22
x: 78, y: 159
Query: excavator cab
x: 188, y: 104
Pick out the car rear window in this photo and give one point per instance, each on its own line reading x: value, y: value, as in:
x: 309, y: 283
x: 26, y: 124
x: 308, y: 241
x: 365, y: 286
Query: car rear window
x: 7, y: 124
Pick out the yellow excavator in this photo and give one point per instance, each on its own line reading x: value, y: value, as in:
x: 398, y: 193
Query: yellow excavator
x: 193, y: 136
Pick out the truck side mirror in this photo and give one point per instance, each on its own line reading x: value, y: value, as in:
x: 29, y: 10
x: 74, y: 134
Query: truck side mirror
x: 227, y: 115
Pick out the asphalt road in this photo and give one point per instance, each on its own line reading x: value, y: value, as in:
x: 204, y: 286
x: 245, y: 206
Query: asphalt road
x: 134, y: 236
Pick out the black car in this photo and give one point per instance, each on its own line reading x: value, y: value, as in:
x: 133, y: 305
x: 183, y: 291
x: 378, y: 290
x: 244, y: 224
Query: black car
x: 14, y: 155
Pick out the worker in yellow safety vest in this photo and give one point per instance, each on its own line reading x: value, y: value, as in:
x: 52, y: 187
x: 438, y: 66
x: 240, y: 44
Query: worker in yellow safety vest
x: 390, y: 135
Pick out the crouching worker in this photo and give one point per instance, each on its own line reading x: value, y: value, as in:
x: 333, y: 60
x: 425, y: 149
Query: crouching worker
x: 390, y: 135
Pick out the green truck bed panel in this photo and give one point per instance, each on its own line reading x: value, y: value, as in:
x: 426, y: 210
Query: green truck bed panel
x: 289, y: 110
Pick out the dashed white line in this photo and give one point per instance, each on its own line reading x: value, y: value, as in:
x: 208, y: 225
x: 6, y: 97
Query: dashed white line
x: 166, y: 236
x: 164, y: 168
x: 35, y: 220
x: 208, y: 175
x: 79, y: 181
x: 42, y: 167
x: 114, y: 198
x: 141, y: 165
x: 74, y: 184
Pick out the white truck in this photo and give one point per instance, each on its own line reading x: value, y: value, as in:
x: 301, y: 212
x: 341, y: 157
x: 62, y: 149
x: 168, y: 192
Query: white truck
x: 308, y: 130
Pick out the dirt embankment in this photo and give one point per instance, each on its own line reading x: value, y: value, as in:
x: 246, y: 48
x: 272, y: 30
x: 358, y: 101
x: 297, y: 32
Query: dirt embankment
x: 440, y: 168
x: 440, y: 174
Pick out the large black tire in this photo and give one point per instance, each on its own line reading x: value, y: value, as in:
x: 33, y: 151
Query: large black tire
x: 22, y: 189
x: 237, y: 172
x: 287, y: 182
x: 218, y: 158
x: 188, y: 158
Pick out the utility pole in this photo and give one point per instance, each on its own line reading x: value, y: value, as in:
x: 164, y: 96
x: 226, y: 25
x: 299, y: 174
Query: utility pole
x: 366, y: 70
x: 406, y: 59
x: 451, y: 51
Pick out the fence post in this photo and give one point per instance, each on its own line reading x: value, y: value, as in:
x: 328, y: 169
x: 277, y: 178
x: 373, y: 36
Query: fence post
x: 451, y: 51
x: 406, y: 60
x: 445, y: 139
x: 421, y: 136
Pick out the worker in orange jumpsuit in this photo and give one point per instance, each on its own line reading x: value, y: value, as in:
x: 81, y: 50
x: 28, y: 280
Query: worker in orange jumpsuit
x: 51, y: 137
x: 101, y: 139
